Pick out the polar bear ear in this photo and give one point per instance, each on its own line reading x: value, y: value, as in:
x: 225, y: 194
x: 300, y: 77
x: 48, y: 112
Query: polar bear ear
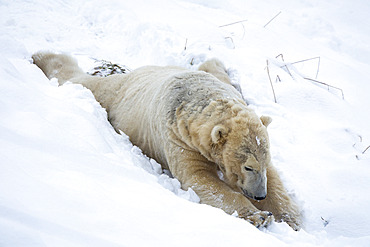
x: 218, y: 133
x: 266, y: 120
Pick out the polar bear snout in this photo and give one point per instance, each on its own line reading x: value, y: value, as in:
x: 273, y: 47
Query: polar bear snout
x: 255, y: 186
x: 258, y: 197
x: 261, y: 192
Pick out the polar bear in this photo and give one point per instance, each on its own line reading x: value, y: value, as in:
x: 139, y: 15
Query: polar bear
x: 196, y: 126
x: 215, y: 67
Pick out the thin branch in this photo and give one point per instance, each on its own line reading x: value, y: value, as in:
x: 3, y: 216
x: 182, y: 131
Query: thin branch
x: 318, y: 64
x: 325, y: 222
x: 280, y: 55
x: 282, y: 58
x: 306, y: 78
x: 365, y: 149
x: 318, y: 68
x: 272, y: 19
x: 304, y: 60
x: 288, y: 71
x: 192, y: 61
x: 360, y: 138
x: 233, y: 23
x: 232, y: 41
x: 324, y: 84
x: 186, y: 42
x: 243, y: 30
x: 268, y: 73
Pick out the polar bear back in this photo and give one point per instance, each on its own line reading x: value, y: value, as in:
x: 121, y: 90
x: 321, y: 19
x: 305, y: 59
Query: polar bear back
x: 145, y: 106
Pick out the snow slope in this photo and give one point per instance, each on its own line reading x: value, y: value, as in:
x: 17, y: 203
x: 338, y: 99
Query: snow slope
x: 68, y: 179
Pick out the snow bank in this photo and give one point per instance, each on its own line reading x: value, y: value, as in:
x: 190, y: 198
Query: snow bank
x: 68, y: 179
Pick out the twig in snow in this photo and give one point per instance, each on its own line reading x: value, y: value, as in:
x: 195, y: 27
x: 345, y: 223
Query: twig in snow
x: 324, y: 222
x: 277, y: 78
x: 365, y: 149
x: 306, y: 78
x: 243, y: 30
x: 268, y: 73
x: 280, y: 55
x: 232, y: 41
x: 325, y: 85
x: 282, y: 58
x: 192, y: 61
x: 360, y: 138
x: 232, y: 23
x: 301, y: 61
x: 305, y: 60
x: 186, y: 42
x: 272, y: 19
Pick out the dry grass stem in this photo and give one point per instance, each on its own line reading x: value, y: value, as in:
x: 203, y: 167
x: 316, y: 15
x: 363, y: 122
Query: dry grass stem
x: 277, y: 78
x: 192, y: 61
x: 186, y: 43
x: 272, y: 19
x: 268, y: 73
x: 282, y: 57
x: 229, y: 24
x: 325, y: 85
x: 286, y: 67
x: 365, y: 149
x: 232, y: 41
x: 305, y: 60
x: 306, y: 78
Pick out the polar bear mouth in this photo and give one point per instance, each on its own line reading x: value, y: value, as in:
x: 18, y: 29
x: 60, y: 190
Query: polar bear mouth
x: 248, y: 195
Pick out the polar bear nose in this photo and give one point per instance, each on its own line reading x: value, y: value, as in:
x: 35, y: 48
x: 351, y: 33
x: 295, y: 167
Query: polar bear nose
x: 260, y: 193
x: 259, y: 198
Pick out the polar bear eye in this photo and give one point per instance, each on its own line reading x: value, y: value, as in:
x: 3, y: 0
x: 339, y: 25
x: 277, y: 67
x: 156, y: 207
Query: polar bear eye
x: 248, y: 169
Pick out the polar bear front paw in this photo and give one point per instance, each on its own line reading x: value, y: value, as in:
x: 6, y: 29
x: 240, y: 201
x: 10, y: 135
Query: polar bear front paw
x: 258, y: 218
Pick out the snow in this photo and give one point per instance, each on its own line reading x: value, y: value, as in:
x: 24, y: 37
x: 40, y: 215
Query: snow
x: 68, y: 179
x: 258, y: 140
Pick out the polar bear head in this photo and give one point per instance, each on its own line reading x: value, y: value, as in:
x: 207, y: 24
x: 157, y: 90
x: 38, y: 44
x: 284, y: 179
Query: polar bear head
x: 243, y: 154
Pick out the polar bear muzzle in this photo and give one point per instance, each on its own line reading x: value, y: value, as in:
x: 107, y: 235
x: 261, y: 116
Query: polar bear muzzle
x: 255, y: 185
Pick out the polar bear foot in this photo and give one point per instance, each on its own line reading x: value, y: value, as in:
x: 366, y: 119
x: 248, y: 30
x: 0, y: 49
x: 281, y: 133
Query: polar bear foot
x: 293, y: 222
x: 258, y: 219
